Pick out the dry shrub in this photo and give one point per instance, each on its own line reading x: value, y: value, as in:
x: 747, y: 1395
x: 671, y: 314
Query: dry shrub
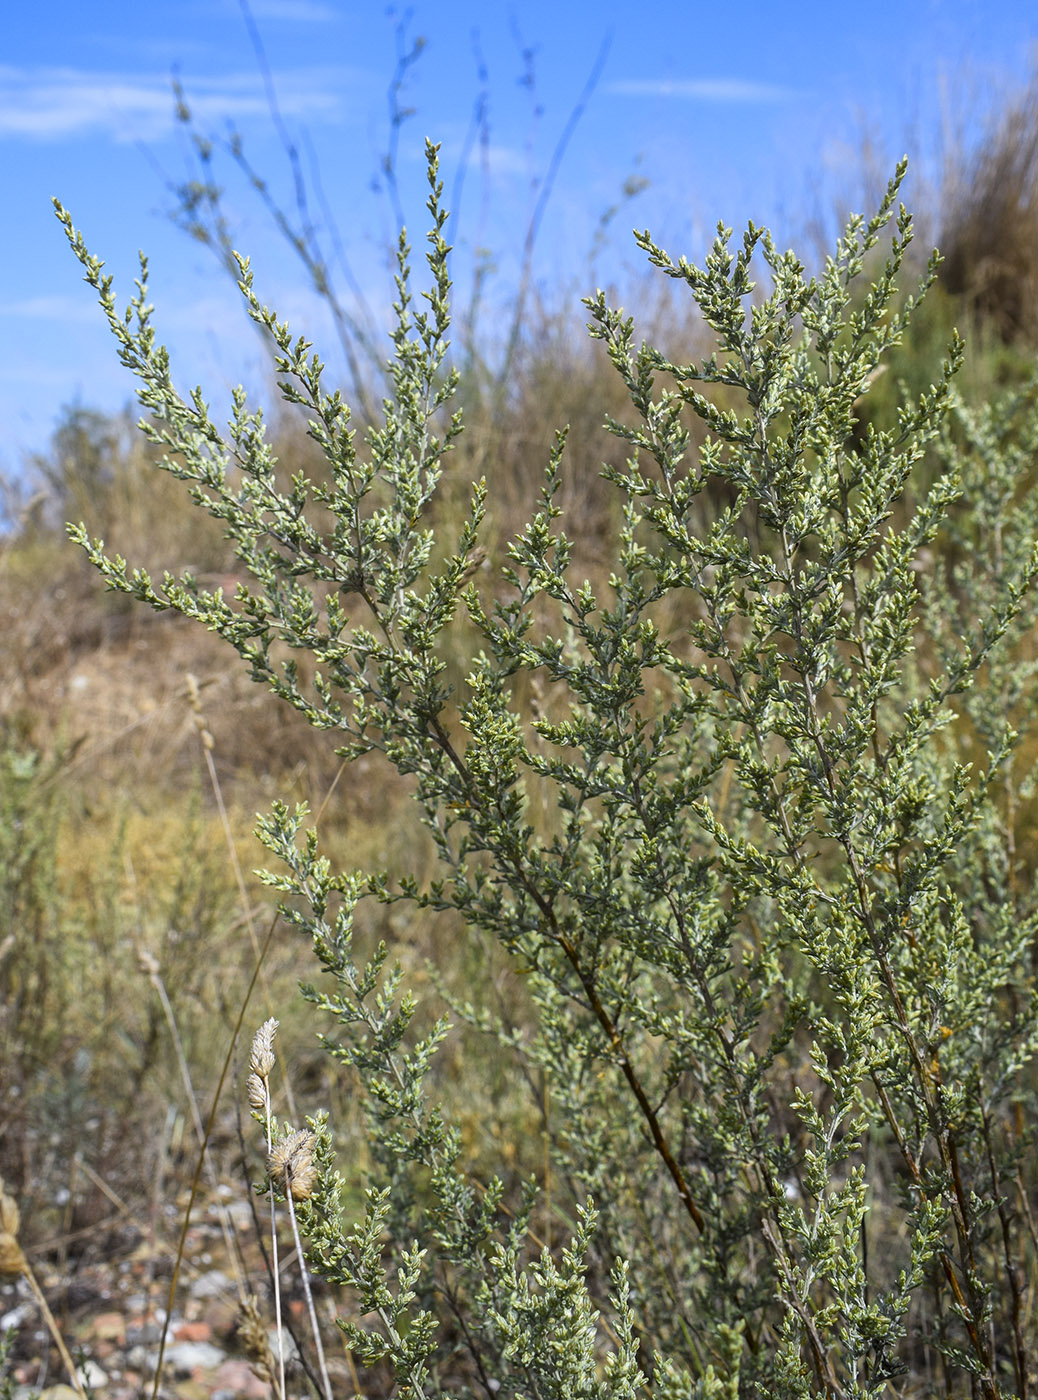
x: 989, y: 223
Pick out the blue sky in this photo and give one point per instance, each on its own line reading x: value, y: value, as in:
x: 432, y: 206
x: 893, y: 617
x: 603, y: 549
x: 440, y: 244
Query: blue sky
x: 760, y: 110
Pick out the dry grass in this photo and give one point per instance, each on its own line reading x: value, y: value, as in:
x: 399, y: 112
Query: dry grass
x: 135, y: 858
x: 989, y: 223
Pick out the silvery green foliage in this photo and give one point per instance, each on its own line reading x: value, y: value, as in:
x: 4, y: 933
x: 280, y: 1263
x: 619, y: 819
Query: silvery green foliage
x: 779, y: 940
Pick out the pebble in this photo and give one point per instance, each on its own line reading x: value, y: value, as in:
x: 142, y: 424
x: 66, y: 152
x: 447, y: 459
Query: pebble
x: 110, y: 1327
x: 17, y: 1317
x: 137, y: 1358
x: 193, y: 1332
x: 238, y: 1381
x: 211, y: 1285
x: 186, y: 1357
x: 144, y: 1333
x: 287, y: 1341
x: 91, y: 1375
x: 114, y: 1312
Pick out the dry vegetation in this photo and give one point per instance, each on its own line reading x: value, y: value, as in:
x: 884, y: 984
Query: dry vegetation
x: 135, y: 755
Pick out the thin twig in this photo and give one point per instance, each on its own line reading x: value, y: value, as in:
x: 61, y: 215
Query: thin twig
x: 537, y: 217
x: 196, y: 1178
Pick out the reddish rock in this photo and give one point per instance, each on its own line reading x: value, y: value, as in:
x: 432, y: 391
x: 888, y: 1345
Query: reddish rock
x: 109, y: 1327
x: 239, y: 1377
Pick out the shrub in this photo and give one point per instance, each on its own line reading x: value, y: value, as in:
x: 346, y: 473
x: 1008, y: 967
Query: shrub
x: 746, y: 819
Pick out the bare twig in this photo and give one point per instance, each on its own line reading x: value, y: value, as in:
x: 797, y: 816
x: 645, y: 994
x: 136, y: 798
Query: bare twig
x: 537, y: 217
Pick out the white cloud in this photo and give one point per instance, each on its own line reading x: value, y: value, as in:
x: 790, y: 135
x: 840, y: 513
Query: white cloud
x: 702, y: 89
x: 500, y: 160
x: 52, y: 308
x: 53, y: 103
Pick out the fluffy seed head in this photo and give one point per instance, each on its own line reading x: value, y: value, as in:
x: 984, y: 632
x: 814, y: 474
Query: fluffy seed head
x: 10, y: 1217
x: 12, y: 1260
x: 291, y: 1165
x: 261, y: 1060
x: 147, y: 962
x: 255, y: 1089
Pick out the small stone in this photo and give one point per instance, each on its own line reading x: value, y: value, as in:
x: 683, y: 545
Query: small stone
x: 193, y: 1332
x: 238, y: 1381
x: 145, y: 1333
x: 16, y: 1317
x: 109, y: 1327
x: 287, y: 1341
x: 211, y: 1284
x: 186, y: 1357
x: 91, y: 1375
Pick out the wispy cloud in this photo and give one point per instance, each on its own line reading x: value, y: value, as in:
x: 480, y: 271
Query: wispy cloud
x: 54, y: 103
x: 295, y: 11
x: 64, y: 309
x: 702, y: 89
x: 501, y: 160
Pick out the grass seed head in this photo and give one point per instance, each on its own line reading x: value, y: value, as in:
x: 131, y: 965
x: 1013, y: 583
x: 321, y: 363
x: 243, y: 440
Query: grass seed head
x: 261, y: 1060
x: 12, y: 1260
x: 255, y: 1089
x: 10, y: 1216
x: 291, y: 1165
x: 252, y: 1334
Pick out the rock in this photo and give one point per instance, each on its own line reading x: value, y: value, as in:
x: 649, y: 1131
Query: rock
x: 109, y: 1327
x: 211, y: 1285
x: 144, y: 1333
x: 17, y: 1317
x: 140, y: 1359
x: 193, y: 1332
x: 186, y: 1357
x: 287, y: 1341
x: 237, y: 1381
x: 91, y: 1375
